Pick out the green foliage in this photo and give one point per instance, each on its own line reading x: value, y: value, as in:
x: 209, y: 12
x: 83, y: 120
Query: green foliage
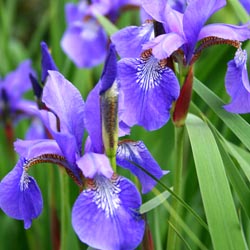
x: 216, y: 170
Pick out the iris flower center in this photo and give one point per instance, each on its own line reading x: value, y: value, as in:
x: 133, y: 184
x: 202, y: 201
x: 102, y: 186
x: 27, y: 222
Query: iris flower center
x: 149, y: 71
x: 106, y: 194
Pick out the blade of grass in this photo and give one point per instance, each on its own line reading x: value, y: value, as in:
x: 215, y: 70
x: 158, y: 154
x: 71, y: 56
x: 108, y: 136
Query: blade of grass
x: 218, y: 203
x: 154, y: 202
x: 184, y: 204
x: 162, y: 199
x: 109, y: 27
x: 239, y: 11
x: 234, y: 176
x: 236, y: 180
x: 180, y: 236
x: 233, y: 121
x: 241, y: 156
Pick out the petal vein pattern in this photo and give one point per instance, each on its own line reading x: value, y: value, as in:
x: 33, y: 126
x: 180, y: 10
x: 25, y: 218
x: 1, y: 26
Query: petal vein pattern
x: 148, y: 73
x: 106, y: 195
x: 105, y: 215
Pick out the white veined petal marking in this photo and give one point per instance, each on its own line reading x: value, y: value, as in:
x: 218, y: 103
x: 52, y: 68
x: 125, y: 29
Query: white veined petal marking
x: 106, y: 194
x: 130, y: 149
x: 149, y: 71
x: 24, y: 181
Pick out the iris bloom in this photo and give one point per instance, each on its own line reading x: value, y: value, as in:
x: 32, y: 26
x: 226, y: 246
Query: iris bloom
x: 237, y: 84
x: 109, y: 204
x: 12, y: 88
x: 185, y: 37
x: 185, y: 30
x: 148, y: 86
x: 85, y: 41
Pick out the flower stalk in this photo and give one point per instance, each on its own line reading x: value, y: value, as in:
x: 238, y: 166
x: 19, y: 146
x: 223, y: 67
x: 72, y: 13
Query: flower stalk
x: 173, y: 242
x: 65, y: 212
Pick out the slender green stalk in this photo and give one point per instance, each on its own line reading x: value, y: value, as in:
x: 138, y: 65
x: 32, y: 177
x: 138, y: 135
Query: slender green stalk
x: 173, y: 239
x: 239, y: 11
x: 54, y: 220
x: 113, y: 162
x: 64, y: 192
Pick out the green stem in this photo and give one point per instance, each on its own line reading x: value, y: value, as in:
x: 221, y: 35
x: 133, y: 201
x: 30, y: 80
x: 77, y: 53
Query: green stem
x: 54, y: 220
x: 173, y: 239
x: 65, y: 223
x: 112, y: 160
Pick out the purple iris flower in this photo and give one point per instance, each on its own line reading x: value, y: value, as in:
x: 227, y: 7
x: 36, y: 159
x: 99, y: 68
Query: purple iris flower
x: 84, y: 41
x: 185, y: 30
x: 109, y: 204
x: 141, y: 78
x: 132, y: 37
x: 12, y: 88
x: 237, y: 83
x: 134, y: 156
x: 149, y: 88
x: 20, y: 196
x: 128, y: 153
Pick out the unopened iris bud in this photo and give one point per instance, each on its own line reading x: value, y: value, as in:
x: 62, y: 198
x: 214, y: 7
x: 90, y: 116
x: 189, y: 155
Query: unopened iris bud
x: 109, y: 111
x: 109, y: 106
x: 183, y: 101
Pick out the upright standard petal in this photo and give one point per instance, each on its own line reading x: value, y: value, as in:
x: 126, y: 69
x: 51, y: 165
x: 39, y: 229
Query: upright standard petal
x: 156, y: 9
x: 109, y: 72
x: 237, y: 84
x: 136, y: 157
x: 194, y: 19
x: 129, y: 41
x: 66, y: 102
x: 20, y: 196
x: 92, y: 119
x: 75, y: 12
x: 47, y: 61
x: 163, y: 46
x: 162, y: 12
x: 149, y: 88
x: 105, y: 215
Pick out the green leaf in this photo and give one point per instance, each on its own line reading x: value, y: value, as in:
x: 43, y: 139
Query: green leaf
x: 241, y: 156
x: 239, y: 11
x: 233, y: 121
x: 186, y: 228
x: 218, y: 203
x: 235, y: 178
x: 106, y: 24
x: 154, y: 202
